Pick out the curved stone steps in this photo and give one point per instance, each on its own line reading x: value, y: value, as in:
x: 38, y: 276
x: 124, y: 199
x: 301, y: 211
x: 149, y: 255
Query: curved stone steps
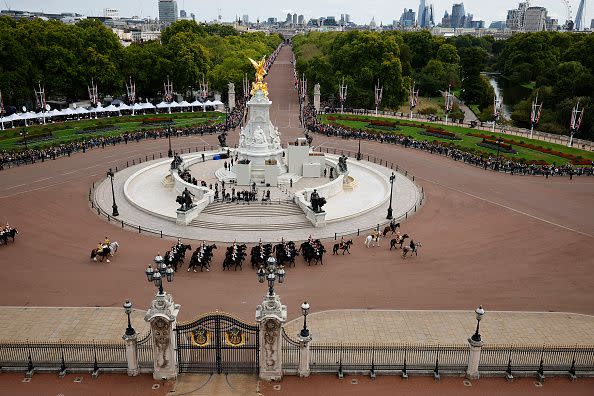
x: 251, y: 227
x: 255, y: 209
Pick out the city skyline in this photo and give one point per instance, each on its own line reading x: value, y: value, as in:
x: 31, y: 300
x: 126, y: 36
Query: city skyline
x: 383, y: 11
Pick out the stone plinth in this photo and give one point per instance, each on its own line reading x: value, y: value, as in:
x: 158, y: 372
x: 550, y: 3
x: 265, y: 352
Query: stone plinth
x: 244, y: 173
x: 311, y: 170
x: 162, y: 317
x: 131, y: 342
x: 317, y: 219
x: 297, y: 155
x: 304, y: 355
x: 231, y: 95
x: 271, y: 174
x: 185, y: 217
x: 271, y: 315
x: 474, y: 357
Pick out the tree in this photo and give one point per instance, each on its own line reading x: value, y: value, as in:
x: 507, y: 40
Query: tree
x: 447, y: 53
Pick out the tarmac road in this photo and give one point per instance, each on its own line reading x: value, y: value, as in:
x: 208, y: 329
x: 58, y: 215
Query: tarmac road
x: 507, y: 242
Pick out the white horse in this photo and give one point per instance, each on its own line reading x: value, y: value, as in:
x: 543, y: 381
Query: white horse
x: 407, y: 249
x: 113, y: 248
x: 371, y: 240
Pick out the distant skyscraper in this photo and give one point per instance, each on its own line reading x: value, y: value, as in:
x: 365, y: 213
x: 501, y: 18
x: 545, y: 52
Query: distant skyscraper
x: 111, y: 13
x: 301, y: 19
x: 347, y: 18
x: 183, y: 14
x: 535, y: 19
x: 592, y: 24
x: 580, y: 17
x: 245, y: 19
x: 193, y: 16
x: 515, y: 18
x: 407, y: 19
x: 446, y: 21
x: 294, y: 19
x: 421, y: 13
x: 168, y: 11
x: 289, y: 18
x: 458, y: 16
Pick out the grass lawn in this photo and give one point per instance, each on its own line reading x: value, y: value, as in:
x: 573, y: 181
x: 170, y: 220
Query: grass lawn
x: 469, y: 142
x: 531, y: 85
x: 63, y: 132
x: 425, y: 102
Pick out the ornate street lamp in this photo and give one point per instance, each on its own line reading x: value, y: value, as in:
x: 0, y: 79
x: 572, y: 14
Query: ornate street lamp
x: 114, y: 207
x: 169, y: 152
x: 392, y: 178
x: 161, y: 271
x: 304, y: 309
x: 271, y: 273
x: 479, y: 315
x: 128, y: 309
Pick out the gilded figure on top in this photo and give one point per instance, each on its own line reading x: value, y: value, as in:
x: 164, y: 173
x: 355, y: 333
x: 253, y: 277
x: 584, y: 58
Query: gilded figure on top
x: 259, y: 84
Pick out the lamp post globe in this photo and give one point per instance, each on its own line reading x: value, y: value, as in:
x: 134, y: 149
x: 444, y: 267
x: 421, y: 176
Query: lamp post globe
x: 169, y: 152
x: 479, y: 312
x: 304, y: 309
x: 128, y: 309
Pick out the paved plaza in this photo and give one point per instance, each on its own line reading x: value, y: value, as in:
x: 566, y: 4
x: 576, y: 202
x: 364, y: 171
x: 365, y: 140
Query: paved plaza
x: 72, y: 324
x: 446, y: 327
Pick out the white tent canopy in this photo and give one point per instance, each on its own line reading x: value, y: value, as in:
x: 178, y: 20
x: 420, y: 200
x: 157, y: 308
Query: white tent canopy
x: 196, y: 103
x: 81, y: 110
x: 111, y: 109
x: 183, y: 103
x: 124, y: 106
x: 217, y: 103
x: 162, y: 105
x: 147, y: 105
x: 68, y: 111
x: 137, y: 106
x: 209, y: 103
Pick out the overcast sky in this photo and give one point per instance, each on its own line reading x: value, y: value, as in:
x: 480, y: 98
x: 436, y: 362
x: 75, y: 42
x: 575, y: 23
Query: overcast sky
x: 360, y: 10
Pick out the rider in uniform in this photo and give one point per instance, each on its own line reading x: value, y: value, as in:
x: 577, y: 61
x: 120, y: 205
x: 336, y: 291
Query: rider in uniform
x: 413, y: 246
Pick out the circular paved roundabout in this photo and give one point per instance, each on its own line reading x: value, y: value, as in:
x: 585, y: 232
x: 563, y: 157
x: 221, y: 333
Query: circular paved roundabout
x: 507, y: 242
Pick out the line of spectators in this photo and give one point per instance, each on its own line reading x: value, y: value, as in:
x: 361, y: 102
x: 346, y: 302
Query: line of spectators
x: 495, y: 163
x: 32, y: 155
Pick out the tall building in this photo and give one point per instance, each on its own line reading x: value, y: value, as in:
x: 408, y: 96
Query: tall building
x: 592, y: 24
x: 294, y: 19
x: 193, y: 16
x: 347, y: 18
x: 245, y: 19
x: 183, y: 14
x: 301, y: 19
x: 446, y: 21
x: 407, y: 19
x: 580, y: 17
x: 168, y: 11
x: 458, y: 16
x: 112, y: 13
x: 421, y: 13
x: 535, y: 19
x: 515, y: 18
x: 289, y: 18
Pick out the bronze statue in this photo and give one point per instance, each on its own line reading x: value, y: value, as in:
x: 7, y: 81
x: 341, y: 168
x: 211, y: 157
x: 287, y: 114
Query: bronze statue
x: 185, y: 200
x: 317, y: 202
x: 223, y: 139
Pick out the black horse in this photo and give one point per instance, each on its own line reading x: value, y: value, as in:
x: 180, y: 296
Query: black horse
x: 234, y: 257
x: 175, y: 257
x: 313, y: 251
x: 10, y: 233
x: 398, y: 241
x: 201, y: 258
x: 344, y: 246
x: 286, y: 253
x: 259, y: 254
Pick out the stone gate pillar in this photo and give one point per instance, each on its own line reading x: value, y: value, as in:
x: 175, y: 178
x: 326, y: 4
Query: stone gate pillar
x: 231, y: 87
x: 162, y: 316
x: 131, y: 342
x: 317, y: 97
x: 474, y: 357
x: 304, y: 355
x: 271, y: 315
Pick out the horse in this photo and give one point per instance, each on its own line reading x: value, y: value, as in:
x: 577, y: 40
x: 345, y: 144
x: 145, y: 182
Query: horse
x: 10, y: 233
x: 234, y: 259
x: 372, y: 240
x: 313, y: 252
x: 259, y: 254
x: 407, y: 249
x: 394, y: 242
x: 105, y: 253
x: 201, y: 258
x: 345, y: 247
x: 392, y: 227
x: 285, y: 252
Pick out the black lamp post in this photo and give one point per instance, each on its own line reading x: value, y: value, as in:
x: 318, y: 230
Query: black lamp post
x: 304, y: 309
x: 161, y: 271
x: 128, y: 309
x: 114, y: 207
x: 392, y: 177
x: 271, y: 273
x: 499, y: 141
x: 479, y: 315
x: 169, y: 152
x: 359, y: 151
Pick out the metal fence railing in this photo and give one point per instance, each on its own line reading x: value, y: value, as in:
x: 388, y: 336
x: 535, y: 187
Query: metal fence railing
x: 291, y: 352
x: 63, y: 357
x: 145, y: 352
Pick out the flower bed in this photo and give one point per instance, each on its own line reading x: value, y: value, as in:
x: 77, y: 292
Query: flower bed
x: 575, y: 160
x: 97, y: 130
x: 157, y: 120
x: 440, y: 133
x: 494, y: 145
x: 382, y: 127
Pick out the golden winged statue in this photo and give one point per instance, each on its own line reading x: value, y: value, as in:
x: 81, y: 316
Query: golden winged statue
x: 259, y: 84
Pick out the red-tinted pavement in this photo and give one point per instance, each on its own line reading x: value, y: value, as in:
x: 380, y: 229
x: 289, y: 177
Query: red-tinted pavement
x: 508, y: 242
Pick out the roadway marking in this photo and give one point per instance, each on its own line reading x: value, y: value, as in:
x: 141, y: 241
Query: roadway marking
x: 509, y: 208
x: 18, y: 185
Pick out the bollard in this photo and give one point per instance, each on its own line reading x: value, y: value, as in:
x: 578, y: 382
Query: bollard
x: 122, y: 223
x: 133, y: 163
x: 406, y: 215
x: 367, y: 157
x: 116, y: 168
x: 334, y: 236
x: 146, y: 158
x: 98, y: 211
x: 396, y: 167
x: 358, y: 233
x: 204, y: 148
x: 378, y: 227
x: 108, y: 219
x: 415, y: 208
x: 153, y: 155
x: 161, y: 234
x: 422, y: 190
x: 405, y: 173
x: 413, y: 178
x: 93, y: 184
x: 160, y: 155
x: 139, y: 229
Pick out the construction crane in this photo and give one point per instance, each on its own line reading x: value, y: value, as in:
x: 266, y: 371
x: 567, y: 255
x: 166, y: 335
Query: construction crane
x: 569, y: 22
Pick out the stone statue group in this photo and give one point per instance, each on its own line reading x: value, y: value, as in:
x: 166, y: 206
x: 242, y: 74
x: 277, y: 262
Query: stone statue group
x: 317, y: 202
x: 185, y: 200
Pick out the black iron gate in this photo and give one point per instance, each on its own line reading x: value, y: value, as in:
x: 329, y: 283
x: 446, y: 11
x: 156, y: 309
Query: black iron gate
x: 218, y: 344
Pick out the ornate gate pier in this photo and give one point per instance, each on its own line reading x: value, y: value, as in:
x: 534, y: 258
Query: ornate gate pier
x: 217, y: 343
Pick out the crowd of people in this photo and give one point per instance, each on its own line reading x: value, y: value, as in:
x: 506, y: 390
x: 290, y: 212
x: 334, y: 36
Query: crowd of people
x: 496, y: 163
x: 9, y: 159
